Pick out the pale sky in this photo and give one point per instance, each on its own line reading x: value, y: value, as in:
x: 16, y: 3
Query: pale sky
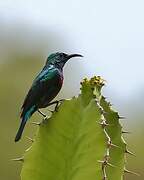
x: 110, y: 35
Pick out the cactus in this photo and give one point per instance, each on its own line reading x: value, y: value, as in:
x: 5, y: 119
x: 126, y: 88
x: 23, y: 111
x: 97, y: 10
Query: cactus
x: 82, y: 141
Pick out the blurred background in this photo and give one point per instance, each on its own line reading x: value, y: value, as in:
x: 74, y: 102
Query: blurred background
x: 110, y: 35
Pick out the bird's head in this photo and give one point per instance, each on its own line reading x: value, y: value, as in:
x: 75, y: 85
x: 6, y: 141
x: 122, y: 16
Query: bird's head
x: 59, y: 59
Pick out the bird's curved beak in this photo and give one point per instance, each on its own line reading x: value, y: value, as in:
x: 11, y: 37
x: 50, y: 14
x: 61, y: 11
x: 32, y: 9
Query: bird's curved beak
x: 74, y: 55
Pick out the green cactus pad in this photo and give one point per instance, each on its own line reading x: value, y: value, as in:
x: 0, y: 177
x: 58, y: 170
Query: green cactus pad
x: 79, y: 142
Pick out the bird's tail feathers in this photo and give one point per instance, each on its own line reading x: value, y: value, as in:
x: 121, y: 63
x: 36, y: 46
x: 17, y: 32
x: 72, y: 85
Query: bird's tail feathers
x: 27, y: 115
x: 20, y: 130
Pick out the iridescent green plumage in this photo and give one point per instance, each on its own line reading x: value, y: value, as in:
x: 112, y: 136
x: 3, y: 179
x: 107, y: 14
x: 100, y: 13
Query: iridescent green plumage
x: 45, y: 87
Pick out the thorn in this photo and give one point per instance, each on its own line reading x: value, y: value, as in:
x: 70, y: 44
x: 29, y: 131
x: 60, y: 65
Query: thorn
x: 31, y: 140
x: 27, y: 149
x: 110, y: 144
x: 99, y: 161
x: 122, y: 117
x: 104, y: 97
x: 21, y: 159
x: 103, y: 162
x: 129, y: 152
x: 36, y: 123
x: 126, y: 132
x: 113, y: 145
x: 131, y: 172
x: 111, y: 165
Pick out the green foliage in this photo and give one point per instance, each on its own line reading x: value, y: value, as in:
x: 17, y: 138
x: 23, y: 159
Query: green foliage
x: 79, y: 142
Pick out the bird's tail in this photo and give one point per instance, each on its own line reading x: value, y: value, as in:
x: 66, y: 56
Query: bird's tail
x: 25, y: 117
x: 20, y: 130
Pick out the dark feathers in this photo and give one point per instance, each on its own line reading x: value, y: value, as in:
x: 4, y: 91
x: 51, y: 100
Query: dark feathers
x: 45, y: 87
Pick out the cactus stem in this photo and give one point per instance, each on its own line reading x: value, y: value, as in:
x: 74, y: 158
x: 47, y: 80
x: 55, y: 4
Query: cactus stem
x: 97, y: 120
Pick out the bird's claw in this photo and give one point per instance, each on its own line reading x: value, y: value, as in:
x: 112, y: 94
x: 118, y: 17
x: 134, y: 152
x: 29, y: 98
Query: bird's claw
x: 58, y: 104
x: 45, y: 119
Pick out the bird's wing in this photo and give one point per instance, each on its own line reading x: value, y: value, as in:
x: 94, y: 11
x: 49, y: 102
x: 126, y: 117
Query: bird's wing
x: 45, y: 79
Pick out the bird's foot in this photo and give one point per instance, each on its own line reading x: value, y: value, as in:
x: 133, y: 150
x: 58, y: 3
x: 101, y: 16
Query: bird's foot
x: 44, y: 115
x: 58, y: 103
x: 44, y: 119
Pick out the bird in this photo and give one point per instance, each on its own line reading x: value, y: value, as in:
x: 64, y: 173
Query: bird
x: 44, y: 88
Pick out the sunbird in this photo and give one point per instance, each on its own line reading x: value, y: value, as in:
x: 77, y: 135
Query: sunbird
x: 44, y: 89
